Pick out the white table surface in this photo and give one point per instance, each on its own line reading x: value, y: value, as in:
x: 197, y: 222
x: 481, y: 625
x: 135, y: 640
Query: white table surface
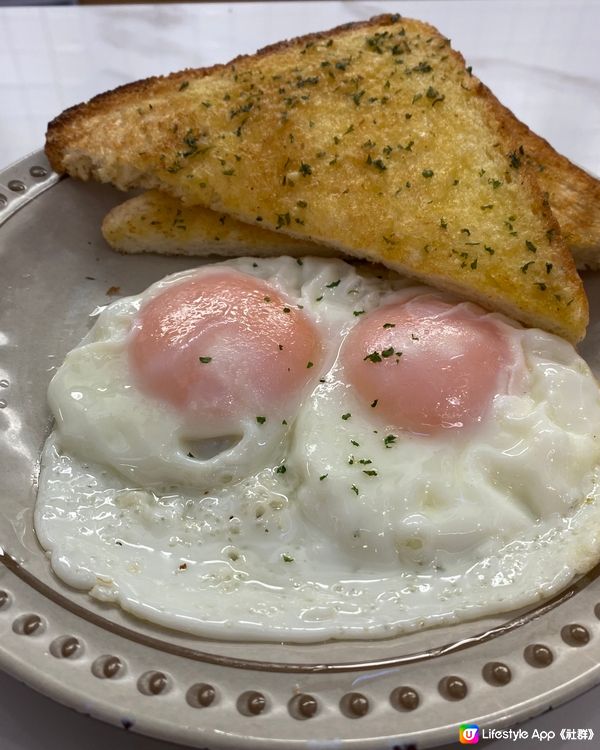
x: 541, y: 58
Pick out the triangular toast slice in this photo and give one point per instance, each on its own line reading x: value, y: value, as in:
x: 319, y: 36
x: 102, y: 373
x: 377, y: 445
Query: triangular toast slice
x: 157, y: 222
x: 373, y: 138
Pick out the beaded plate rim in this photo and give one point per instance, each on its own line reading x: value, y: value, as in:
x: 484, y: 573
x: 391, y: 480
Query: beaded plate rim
x: 287, y: 704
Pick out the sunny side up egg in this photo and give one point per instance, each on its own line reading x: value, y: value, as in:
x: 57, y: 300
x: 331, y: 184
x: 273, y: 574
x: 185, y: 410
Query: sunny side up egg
x: 299, y: 450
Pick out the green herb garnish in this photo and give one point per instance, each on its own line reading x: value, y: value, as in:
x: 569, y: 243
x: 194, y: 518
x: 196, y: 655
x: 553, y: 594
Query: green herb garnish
x: 530, y: 246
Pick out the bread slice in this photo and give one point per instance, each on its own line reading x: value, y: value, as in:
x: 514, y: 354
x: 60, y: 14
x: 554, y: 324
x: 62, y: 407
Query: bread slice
x: 157, y: 222
x: 372, y: 138
x: 573, y: 194
x: 151, y: 222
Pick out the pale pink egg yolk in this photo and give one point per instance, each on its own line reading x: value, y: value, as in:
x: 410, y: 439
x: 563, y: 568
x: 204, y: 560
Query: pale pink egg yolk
x: 223, y: 345
x: 425, y: 365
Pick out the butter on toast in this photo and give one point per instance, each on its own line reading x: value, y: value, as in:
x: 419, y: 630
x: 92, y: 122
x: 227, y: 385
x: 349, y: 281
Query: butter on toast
x: 157, y: 222
x: 372, y: 138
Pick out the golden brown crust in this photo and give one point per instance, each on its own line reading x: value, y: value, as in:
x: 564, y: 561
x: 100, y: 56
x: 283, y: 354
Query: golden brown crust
x: 137, y: 89
x: 516, y: 132
x: 573, y: 194
x: 372, y: 138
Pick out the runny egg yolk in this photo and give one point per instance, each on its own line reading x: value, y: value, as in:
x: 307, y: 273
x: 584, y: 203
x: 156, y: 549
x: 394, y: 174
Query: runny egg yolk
x: 426, y: 365
x: 222, y: 346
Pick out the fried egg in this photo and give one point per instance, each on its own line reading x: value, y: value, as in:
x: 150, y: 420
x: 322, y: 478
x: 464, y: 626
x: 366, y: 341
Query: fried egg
x: 288, y: 449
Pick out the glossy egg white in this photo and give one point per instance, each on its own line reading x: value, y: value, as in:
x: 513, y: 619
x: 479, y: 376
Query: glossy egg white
x: 321, y: 527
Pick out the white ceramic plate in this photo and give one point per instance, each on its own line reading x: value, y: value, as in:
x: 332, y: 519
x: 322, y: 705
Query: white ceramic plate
x: 414, y: 689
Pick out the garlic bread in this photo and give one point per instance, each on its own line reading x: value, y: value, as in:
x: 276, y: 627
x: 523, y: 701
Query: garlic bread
x: 372, y: 138
x: 158, y: 223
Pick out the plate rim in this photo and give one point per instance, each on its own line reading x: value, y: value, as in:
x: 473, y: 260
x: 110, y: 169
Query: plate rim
x: 14, y: 661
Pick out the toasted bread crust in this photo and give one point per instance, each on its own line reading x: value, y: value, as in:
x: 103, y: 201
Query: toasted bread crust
x: 121, y: 95
x: 362, y: 189
x: 573, y: 194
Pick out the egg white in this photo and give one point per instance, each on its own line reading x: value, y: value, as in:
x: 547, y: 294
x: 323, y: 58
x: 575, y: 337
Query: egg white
x: 231, y: 547
x: 390, y: 497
